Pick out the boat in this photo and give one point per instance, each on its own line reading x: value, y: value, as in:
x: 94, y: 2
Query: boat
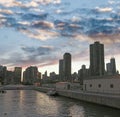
x: 52, y: 93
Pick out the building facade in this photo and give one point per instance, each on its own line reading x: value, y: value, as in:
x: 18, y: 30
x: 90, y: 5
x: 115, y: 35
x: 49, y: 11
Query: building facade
x: 67, y: 66
x: 97, y: 59
x: 83, y: 73
x: 106, y: 84
x: 61, y: 71
x: 30, y: 75
x: 9, y: 77
x: 17, y: 75
x: 111, y: 67
x: 3, y: 74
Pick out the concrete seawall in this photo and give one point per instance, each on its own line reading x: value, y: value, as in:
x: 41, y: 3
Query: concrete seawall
x: 16, y: 87
x: 42, y: 89
x: 102, y: 99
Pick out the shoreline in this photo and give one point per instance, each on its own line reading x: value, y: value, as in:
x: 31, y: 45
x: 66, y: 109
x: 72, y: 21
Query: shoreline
x: 108, y: 100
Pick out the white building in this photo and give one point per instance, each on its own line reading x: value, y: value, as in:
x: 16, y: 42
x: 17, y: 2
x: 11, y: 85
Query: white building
x: 106, y: 84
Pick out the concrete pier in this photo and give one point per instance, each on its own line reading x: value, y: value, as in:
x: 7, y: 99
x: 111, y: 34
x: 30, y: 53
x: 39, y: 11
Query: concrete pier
x: 102, y: 99
x: 98, y: 98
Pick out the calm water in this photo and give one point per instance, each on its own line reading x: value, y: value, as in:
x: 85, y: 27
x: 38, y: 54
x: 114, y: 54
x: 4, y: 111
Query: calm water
x: 35, y: 104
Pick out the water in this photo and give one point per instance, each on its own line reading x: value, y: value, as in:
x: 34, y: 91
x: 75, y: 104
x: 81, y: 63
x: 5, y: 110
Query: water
x: 29, y: 103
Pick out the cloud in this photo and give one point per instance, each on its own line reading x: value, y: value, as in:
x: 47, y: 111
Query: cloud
x: 48, y: 63
x: 111, y: 2
x: 40, y: 34
x: 28, y: 49
x: 37, y: 10
x: 39, y: 55
x: 5, y: 11
x: 75, y: 19
x: 58, y: 11
x: 39, y: 51
x: 56, y: 1
x: 64, y: 28
x: 32, y: 16
x: 32, y: 4
x: 43, y: 24
x: 6, y: 2
x: 107, y: 38
x: 30, y: 56
x: 25, y: 23
x: 105, y: 9
x: 10, y: 3
x: 46, y: 2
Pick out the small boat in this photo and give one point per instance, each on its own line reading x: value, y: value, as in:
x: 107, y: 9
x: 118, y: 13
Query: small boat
x: 52, y: 93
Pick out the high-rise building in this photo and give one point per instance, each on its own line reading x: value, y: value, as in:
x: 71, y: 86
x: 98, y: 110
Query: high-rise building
x: 30, y: 75
x: 111, y: 67
x: 67, y: 66
x: 97, y: 59
x: 83, y: 73
x: 45, y: 75
x: 108, y: 67
x: 9, y: 77
x: 3, y: 73
x: 17, y: 75
x: 61, y: 72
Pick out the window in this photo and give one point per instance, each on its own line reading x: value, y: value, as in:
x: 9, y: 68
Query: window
x: 99, y: 85
x: 90, y: 85
x: 111, y: 86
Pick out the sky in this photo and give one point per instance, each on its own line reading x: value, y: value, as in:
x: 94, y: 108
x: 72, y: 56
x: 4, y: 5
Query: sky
x: 39, y: 32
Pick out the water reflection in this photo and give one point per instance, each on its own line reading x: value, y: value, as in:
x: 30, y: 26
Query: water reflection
x: 49, y: 105
x: 35, y: 104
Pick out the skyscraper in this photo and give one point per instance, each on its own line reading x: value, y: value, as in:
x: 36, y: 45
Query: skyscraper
x: 61, y: 71
x: 30, y: 75
x: 3, y: 73
x: 97, y: 59
x: 67, y: 66
x: 111, y: 67
x: 17, y: 75
x: 83, y: 73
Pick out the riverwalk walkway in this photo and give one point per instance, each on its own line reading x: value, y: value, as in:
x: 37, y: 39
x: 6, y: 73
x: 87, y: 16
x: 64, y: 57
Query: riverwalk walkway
x: 111, y: 100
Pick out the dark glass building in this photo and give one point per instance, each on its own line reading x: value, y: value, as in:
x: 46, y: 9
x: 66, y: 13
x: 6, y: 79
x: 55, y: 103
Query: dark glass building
x: 61, y: 72
x: 30, y: 75
x: 97, y: 59
x: 67, y: 66
x: 111, y: 67
x: 17, y: 75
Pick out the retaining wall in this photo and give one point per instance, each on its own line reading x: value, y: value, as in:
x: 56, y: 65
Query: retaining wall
x: 102, y: 99
x: 111, y: 101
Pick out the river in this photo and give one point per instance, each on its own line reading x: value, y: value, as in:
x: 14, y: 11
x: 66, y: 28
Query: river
x: 29, y: 103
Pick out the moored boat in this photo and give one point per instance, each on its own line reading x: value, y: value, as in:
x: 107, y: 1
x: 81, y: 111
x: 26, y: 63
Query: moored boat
x: 52, y: 93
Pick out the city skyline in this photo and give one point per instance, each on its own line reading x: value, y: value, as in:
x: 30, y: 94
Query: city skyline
x: 97, y: 65
x: 37, y: 33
